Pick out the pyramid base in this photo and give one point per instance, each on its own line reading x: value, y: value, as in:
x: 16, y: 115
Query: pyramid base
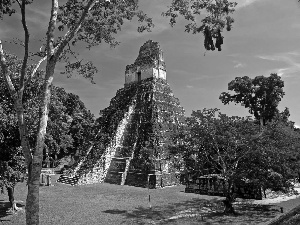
x: 156, y: 180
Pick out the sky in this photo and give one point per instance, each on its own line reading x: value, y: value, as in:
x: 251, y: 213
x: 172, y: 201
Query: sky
x: 264, y: 39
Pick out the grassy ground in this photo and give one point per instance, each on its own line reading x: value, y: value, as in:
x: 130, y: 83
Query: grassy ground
x: 114, y: 204
x: 291, y: 217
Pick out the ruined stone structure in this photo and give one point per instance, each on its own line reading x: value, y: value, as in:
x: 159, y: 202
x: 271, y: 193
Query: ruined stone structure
x: 149, y: 64
x: 136, y: 130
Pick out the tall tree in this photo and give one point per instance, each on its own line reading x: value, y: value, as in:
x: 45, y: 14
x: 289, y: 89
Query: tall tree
x: 230, y: 146
x: 66, y: 130
x: 275, y: 157
x: 89, y: 21
x: 260, y: 95
x: 221, y: 144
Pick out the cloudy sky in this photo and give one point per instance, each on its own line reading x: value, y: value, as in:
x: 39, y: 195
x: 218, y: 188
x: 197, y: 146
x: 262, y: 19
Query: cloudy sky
x: 264, y: 39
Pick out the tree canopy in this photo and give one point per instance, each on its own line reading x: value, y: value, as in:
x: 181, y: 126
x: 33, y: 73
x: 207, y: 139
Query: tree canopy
x: 217, y: 17
x: 70, y: 123
x: 260, y: 95
x: 213, y: 142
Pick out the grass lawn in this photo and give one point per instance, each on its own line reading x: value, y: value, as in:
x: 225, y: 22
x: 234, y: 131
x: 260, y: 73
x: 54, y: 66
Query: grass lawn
x: 114, y: 204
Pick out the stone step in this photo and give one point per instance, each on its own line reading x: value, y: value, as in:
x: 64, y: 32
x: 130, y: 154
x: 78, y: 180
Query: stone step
x: 113, y: 177
x: 68, y: 180
x: 121, y: 158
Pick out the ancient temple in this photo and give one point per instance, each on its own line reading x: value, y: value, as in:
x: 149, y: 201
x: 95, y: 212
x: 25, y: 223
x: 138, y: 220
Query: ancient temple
x: 149, y: 64
x: 136, y: 131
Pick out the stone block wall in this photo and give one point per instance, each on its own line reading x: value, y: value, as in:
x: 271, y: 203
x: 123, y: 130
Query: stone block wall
x: 159, y: 73
x: 117, y: 164
x: 137, y: 179
x: 113, y: 177
x: 155, y: 180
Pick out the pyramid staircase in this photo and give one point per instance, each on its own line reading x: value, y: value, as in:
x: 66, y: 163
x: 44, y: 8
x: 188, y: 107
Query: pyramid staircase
x: 109, y: 168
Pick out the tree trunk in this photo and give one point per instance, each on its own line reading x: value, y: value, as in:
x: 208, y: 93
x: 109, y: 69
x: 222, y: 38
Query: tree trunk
x: 260, y: 124
x: 32, y: 202
x: 230, y: 197
x: 228, y: 207
x: 23, y: 130
x: 264, y: 190
x: 10, y: 192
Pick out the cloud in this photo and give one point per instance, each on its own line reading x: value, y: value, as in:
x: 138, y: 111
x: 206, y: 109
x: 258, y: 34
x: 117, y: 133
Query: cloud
x: 189, y: 86
x: 244, y: 3
x: 297, y: 126
x: 238, y: 64
x: 292, y: 60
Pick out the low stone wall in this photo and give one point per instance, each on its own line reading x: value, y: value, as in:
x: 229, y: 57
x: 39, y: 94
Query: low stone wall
x: 155, y: 180
x: 214, y: 184
x: 136, y: 179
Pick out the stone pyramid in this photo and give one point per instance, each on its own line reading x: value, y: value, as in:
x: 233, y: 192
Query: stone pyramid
x: 136, y: 130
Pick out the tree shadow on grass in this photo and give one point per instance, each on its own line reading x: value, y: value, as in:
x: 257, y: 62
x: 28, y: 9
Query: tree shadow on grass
x: 115, y: 211
x: 4, y: 209
x: 200, y: 211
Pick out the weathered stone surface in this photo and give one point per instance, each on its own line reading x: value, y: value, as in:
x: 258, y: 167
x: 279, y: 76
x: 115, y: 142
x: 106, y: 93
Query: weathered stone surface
x: 136, y: 130
x: 149, y: 64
